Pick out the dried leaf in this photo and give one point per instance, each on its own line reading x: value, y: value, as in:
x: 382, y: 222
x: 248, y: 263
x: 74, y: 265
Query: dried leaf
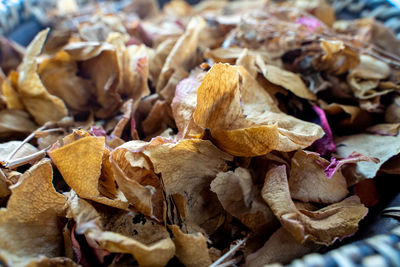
x: 385, y: 129
x: 191, y: 249
x: 158, y: 119
x: 392, y: 114
x: 357, y: 117
x: 323, y: 226
x: 308, y: 181
x: 8, y: 147
x: 184, y: 104
x: 133, y: 62
x: 80, y: 163
x: 29, y: 227
x: 373, y: 146
x: 4, y: 190
x: 153, y: 253
x: 186, y: 170
x: 365, y: 77
x: 183, y: 54
x: 58, y: 75
x: 271, y: 252
x: 241, y: 198
x: 35, y: 97
x: 9, y: 91
x: 243, y: 118
x: 288, y: 80
x: 337, y: 59
x: 15, y: 121
x: 136, y: 179
x: 104, y: 71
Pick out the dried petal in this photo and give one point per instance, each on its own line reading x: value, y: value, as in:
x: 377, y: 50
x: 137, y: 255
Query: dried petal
x: 183, y: 54
x: 191, y: 249
x: 338, y: 57
x: 58, y: 75
x: 241, y: 198
x: 184, y: 104
x: 80, y: 163
x: 364, y: 79
x: 138, y: 182
x: 29, y: 227
x: 4, y: 190
x: 271, y: 252
x: 153, y: 253
x: 9, y: 91
x: 373, y: 146
x: 15, y: 121
x: 8, y: 147
x: 325, y: 145
x: 323, y: 226
x: 186, y: 170
x: 308, y: 181
x: 35, y: 97
x: 288, y: 80
x: 243, y: 118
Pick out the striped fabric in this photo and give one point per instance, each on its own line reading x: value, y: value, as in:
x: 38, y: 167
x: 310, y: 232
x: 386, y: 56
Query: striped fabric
x: 377, y: 251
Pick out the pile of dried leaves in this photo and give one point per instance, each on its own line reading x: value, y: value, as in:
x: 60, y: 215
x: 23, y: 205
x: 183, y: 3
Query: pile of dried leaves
x: 227, y: 132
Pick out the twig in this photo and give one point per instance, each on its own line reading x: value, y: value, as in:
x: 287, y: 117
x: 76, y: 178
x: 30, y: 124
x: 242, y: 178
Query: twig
x: 229, y: 253
x: 21, y: 161
x: 228, y: 263
x: 26, y: 140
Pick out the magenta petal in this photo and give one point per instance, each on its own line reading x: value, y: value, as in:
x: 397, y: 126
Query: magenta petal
x: 97, y: 131
x: 311, y: 23
x: 352, y: 158
x: 325, y: 145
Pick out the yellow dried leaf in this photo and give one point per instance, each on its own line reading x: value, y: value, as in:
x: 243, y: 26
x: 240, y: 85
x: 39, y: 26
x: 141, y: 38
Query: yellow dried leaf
x: 80, y: 164
x: 191, y: 249
x: 29, y: 227
x: 58, y: 74
x: 9, y: 90
x: 4, y: 190
x: 136, y: 179
x: 35, y: 97
x: 243, y: 118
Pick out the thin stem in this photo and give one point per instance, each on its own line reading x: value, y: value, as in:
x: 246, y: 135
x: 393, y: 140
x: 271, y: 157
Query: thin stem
x: 26, y: 140
x: 229, y: 253
x: 21, y: 161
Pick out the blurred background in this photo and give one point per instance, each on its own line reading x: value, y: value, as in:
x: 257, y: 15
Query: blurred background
x: 20, y: 20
